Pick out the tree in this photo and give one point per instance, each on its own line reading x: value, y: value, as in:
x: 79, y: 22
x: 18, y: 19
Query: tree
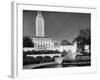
x: 27, y: 42
x: 84, y: 38
x: 64, y: 53
x: 64, y: 42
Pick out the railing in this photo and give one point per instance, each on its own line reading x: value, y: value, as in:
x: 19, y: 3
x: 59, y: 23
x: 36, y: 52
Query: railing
x: 43, y: 55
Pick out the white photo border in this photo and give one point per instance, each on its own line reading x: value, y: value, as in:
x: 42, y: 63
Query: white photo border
x: 17, y: 47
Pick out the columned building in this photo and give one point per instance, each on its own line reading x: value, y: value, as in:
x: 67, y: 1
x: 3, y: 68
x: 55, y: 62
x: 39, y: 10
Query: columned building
x: 41, y: 42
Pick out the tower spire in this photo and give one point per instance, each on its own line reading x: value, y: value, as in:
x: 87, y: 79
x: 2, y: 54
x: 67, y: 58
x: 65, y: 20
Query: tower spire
x: 39, y: 13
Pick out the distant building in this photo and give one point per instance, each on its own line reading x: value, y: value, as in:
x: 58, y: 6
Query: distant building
x: 71, y: 47
x: 41, y: 42
x: 87, y: 48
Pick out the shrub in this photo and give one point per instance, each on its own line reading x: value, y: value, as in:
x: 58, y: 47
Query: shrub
x: 38, y: 59
x: 28, y: 60
x: 46, y: 59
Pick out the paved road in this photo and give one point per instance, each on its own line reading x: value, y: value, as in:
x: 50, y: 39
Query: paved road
x: 37, y: 65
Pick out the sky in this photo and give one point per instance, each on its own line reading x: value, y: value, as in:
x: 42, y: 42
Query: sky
x: 58, y: 25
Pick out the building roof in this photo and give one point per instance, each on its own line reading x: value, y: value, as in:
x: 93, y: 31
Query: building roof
x: 41, y: 37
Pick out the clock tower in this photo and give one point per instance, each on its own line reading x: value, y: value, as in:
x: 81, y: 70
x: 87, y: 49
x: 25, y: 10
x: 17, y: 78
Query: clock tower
x: 39, y: 25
